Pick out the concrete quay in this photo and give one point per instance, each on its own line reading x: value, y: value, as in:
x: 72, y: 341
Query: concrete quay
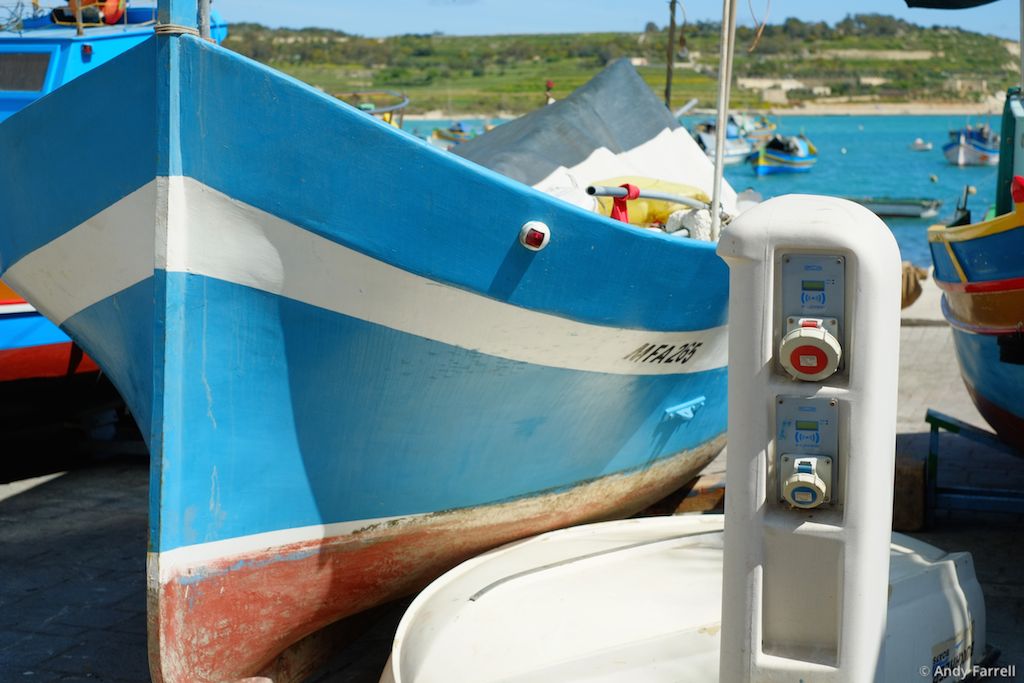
x: 73, y: 541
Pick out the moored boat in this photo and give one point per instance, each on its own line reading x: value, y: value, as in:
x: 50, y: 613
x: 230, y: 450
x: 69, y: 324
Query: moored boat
x: 900, y: 207
x: 737, y: 147
x: 972, y: 146
x: 387, y: 105
x: 979, y: 268
x: 353, y: 360
x: 31, y: 347
x: 454, y: 134
x: 756, y: 128
x: 785, y: 154
x: 39, y: 52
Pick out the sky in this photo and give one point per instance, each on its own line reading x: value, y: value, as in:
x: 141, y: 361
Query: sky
x: 378, y: 18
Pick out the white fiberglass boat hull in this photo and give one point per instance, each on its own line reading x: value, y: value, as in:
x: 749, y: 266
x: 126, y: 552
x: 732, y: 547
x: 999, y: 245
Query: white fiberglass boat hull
x: 640, y: 600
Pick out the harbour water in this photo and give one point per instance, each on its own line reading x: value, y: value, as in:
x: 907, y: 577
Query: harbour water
x: 878, y: 162
x: 859, y: 156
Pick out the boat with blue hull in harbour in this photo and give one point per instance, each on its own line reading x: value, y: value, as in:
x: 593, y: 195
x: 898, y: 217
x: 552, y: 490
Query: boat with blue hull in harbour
x: 352, y: 365
x: 31, y: 347
x: 41, y: 50
x: 972, y: 146
x: 979, y: 268
x: 738, y: 148
x: 785, y: 154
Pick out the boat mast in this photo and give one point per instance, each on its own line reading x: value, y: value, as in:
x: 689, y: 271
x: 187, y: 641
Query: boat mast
x: 204, y: 19
x: 177, y: 13
x: 670, y: 57
x: 724, y: 82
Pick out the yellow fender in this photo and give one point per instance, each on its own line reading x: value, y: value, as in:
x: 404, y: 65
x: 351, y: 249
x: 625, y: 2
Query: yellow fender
x: 644, y: 212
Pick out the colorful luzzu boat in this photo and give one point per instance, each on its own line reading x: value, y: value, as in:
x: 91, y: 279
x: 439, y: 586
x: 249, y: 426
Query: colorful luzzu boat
x: 31, y: 347
x: 972, y: 146
x: 38, y: 54
x: 738, y: 148
x: 353, y: 366
x: 781, y: 154
x: 980, y: 268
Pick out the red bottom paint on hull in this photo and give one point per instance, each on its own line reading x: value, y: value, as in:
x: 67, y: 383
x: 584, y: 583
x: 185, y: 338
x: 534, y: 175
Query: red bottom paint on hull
x: 232, y: 618
x: 50, y: 360
x: 1008, y: 426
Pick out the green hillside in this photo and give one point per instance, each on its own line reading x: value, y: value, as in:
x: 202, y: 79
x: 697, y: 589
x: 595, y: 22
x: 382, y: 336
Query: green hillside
x: 864, y: 57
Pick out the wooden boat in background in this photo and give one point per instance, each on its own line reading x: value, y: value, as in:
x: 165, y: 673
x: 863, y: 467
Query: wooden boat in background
x: 900, y: 207
x: 980, y: 269
x: 47, y: 52
x: 387, y: 105
x: 353, y: 362
x: 448, y: 138
x: 31, y: 347
x: 737, y: 147
x: 785, y: 154
x: 757, y: 128
x: 972, y: 146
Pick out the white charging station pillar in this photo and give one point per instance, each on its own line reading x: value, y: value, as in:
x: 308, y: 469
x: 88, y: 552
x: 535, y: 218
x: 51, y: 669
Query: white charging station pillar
x: 814, y: 324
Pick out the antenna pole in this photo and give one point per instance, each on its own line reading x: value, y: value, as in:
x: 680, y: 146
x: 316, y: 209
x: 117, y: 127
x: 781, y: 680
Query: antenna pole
x: 724, y: 82
x: 204, y: 19
x: 671, y: 52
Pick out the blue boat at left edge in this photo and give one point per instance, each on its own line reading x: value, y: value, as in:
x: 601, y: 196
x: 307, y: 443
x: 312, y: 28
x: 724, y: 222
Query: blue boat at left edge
x: 350, y: 371
x: 40, y: 51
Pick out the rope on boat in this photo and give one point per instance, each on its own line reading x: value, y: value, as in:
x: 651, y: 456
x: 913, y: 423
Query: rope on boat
x: 911, y: 283
x: 175, y: 30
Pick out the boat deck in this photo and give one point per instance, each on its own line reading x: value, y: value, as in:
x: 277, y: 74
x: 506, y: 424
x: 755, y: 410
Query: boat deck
x: 72, y: 545
x: 66, y: 32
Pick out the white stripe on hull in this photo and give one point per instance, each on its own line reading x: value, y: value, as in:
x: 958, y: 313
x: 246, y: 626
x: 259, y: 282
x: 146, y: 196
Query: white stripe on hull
x: 10, y: 309
x: 211, y: 234
x: 175, y: 562
x: 109, y: 252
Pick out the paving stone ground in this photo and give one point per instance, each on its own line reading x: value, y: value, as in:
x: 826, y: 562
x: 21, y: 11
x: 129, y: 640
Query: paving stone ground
x: 72, y: 545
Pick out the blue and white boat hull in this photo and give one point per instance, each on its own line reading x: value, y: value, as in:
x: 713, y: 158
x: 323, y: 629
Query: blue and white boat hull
x: 350, y: 373
x: 38, y: 56
x: 968, y: 152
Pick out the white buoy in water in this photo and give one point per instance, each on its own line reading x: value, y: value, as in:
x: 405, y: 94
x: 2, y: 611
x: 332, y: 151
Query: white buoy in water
x: 808, y: 583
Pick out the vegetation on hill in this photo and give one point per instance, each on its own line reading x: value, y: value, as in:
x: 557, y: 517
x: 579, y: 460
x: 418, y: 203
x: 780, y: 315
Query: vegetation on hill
x: 863, y: 56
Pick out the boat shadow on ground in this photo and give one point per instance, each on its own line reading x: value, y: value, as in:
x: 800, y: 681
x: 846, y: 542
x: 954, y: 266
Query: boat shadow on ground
x: 59, y: 424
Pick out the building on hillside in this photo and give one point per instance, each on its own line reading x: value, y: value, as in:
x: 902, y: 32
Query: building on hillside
x: 776, y: 90
x: 964, y: 86
x: 872, y: 81
x: 783, y: 84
